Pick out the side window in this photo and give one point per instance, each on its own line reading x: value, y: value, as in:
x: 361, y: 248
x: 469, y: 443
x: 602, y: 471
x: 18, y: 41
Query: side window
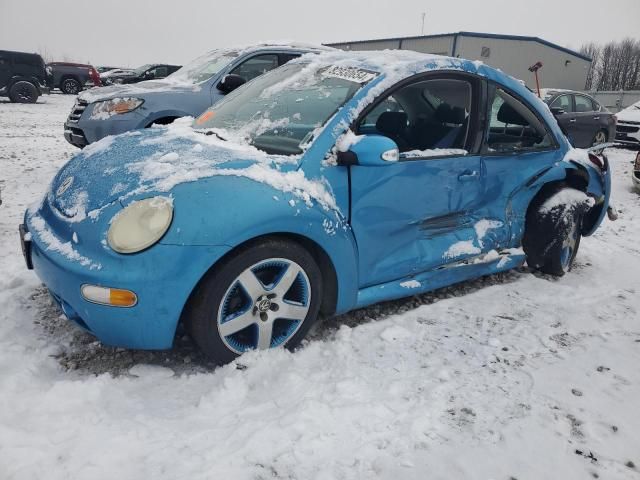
x: 389, y: 104
x: 160, y: 72
x: 256, y: 66
x: 563, y: 102
x: 513, y: 127
x: 596, y: 106
x: 424, y: 118
x: 287, y: 57
x: 583, y: 104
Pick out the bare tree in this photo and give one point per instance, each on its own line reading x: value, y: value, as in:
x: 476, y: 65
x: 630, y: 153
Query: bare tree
x: 615, y: 66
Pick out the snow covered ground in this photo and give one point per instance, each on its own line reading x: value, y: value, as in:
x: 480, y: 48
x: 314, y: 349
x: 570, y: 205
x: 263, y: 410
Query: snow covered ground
x: 515, y: 376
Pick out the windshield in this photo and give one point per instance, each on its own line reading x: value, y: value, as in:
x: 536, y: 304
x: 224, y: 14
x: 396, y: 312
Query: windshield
x: 204, y: 67
x: 140, y: 70
x: 279, y: 111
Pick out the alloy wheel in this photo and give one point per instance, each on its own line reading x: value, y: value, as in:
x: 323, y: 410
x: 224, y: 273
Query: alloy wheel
x: 264, y: 306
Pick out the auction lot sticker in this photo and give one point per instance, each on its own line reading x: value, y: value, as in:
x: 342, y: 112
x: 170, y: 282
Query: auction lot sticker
x: 351, y: 74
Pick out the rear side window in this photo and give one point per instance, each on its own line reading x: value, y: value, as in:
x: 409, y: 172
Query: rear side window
x: 583, y: 104
x: 514, y: 127
x: 256, y: 66
x: 287, y: 57
x: 564, y: 102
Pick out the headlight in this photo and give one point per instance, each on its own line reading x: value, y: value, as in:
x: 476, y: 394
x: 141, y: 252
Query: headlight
x: 140, y: 224
x: 107, y: 108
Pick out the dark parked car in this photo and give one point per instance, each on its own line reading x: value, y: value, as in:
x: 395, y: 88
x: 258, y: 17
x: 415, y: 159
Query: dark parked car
x: 71, y: 78
x: 583, y: 120
x: 153, y: 71
x: 23, y: 76
x: 104, y: 68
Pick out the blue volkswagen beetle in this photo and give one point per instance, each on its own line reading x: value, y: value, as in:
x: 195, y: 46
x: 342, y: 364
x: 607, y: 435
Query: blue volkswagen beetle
x: 333, y: 182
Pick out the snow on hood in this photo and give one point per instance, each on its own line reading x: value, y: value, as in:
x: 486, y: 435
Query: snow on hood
x: 137, y: 89
x: 158, y: 159
x: 630, y: 114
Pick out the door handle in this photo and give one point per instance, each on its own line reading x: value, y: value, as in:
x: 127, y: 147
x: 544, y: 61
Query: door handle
x: 596, y: 118
x: 468, y: 176
x: 573, y: 120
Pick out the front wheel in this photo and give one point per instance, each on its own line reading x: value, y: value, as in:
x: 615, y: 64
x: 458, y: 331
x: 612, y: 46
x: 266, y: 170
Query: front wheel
x: 265, y: 296
x: 553, y: 230
x: 23, y: 92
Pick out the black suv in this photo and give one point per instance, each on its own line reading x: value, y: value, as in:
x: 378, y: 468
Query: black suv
x: 22, y: 76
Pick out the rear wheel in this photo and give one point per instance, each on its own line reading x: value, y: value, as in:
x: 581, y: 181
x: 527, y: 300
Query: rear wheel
x: 23, y: 92
x: 553, y: 231
x: 265, y: 296
x: 600, y: 137
x: 70, y: 86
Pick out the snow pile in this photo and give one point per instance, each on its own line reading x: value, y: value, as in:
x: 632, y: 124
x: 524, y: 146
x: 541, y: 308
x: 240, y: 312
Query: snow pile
x: 435, y: 152
x: 629, y: 114
x: 64, y: 248
x: 411, y: 284
x: 482, y: 226
x: 567, y: 197
x: 463, y: 247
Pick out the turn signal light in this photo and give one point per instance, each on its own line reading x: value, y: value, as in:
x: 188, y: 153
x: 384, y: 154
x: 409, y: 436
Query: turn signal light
x: 114, y: 297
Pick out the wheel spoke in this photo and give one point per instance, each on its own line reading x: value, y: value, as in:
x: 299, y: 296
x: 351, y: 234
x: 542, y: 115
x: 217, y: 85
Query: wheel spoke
x: 283, y: 286
x: 235, y: 325
x: 292, y: 312
x: 251, y: 284
x: 265, y: 330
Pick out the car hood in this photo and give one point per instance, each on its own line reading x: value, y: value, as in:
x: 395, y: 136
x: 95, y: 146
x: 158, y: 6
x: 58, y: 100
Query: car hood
x: 140, y: 89
x: 142, y: 163
x: 629, y: 114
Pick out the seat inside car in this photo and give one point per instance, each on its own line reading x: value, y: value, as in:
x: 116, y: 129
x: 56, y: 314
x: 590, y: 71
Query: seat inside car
x: 394, y: 126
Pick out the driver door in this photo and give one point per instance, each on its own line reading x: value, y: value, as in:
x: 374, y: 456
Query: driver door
x: 406, y: 215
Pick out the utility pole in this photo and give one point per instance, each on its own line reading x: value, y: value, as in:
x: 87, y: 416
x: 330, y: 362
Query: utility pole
x: 424, y: 14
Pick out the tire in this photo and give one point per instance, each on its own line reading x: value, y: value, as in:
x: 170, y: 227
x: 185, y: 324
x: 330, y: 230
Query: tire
x: 600, y: 137
x: 236, y: 306
x: 70, y: 86
x: 552, y: 237
x: 23, y: 92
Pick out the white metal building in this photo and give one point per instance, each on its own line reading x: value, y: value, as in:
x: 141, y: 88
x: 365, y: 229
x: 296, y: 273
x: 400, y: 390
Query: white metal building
x: 562, y: 68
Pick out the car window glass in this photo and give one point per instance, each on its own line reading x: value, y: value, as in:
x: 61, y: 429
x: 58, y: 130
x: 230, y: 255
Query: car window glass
x: 256, y: 66
x: 583, y: 104
x: 159, y: 72
x: 514, y: 127
x: 389, y: 104
x: 287, y: 57
x: 424, y: 117
x: 596, y: 106
x: 563, y: 102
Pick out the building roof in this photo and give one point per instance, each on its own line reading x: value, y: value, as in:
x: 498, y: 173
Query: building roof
x: 477, y: 35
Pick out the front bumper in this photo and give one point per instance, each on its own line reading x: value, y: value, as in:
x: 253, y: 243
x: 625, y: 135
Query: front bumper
x: 162, y: 277
x: 80, y: 129
x: 628, y: 133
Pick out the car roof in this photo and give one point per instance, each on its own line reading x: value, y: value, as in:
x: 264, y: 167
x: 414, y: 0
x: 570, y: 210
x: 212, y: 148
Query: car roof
x: 27, y: 54
x: 399, y: 63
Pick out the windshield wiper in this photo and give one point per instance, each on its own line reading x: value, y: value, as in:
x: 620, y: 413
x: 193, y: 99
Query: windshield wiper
x: 213, y: 132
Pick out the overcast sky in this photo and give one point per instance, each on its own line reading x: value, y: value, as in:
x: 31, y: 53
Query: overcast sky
x: 134, y: 32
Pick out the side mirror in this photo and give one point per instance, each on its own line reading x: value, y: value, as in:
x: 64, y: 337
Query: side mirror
x: 557, y: 111
x: 372, y: 151
x: 230, y: 82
